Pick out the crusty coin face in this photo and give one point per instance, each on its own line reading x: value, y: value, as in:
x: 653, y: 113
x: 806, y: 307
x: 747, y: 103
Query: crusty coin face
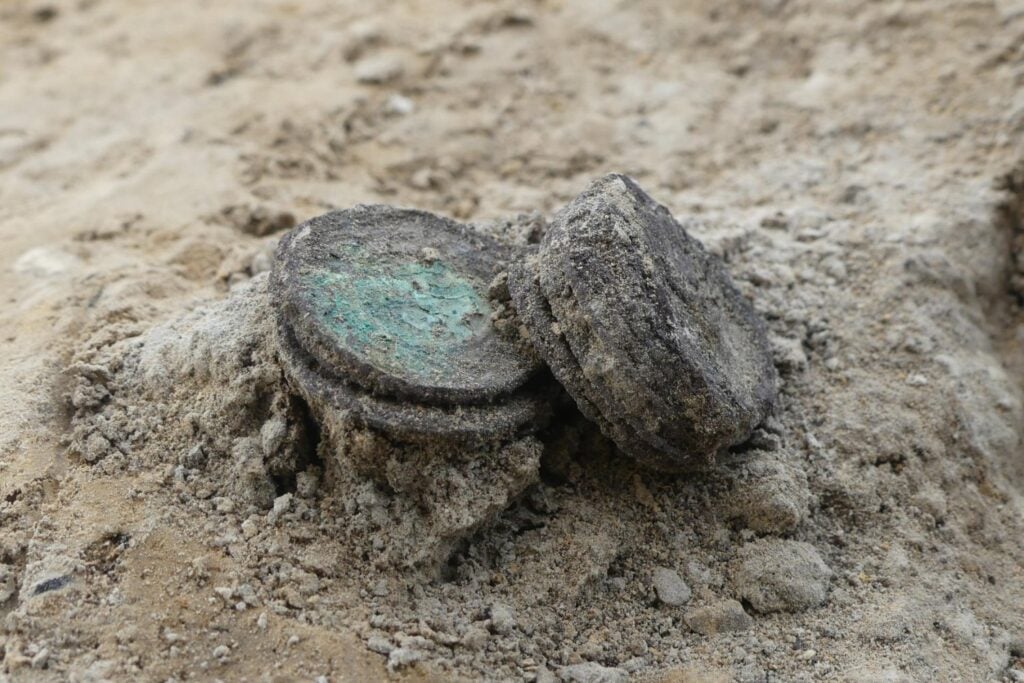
x: 396, y: 301
x: 535, y: 313
x: 651, y: 332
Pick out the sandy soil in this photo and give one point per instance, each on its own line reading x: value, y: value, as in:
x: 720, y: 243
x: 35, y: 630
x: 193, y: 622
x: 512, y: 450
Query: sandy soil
x: 853, y: 162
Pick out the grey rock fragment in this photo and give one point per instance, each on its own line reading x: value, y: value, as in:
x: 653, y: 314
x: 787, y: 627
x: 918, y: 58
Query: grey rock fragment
x: 380, y: 645
x: 379, y: 69
x: 726, y: 616
x: 503, y: 620
x: 777, y: 575
x: 670, y: 587
x: 475, y: 638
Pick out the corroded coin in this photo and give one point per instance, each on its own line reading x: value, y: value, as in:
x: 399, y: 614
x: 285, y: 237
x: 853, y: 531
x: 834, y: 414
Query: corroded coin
x: 338, y: 402
x: 396, y: 302
x: 644, y: 328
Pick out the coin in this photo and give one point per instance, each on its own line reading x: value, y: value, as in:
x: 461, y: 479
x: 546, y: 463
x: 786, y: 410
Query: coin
x: 395, y: 301
x: 645, y: 328
x: 334, y: 399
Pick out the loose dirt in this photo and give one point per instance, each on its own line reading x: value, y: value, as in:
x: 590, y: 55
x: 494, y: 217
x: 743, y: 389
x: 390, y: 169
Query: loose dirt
x: 170, y: 511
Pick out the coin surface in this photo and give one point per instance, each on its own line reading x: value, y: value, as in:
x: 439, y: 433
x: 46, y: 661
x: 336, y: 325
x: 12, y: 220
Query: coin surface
x: 644, y: 328
x: 395, y: 300
x: 535, y: 313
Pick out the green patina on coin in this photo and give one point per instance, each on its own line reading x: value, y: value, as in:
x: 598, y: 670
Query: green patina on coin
x: 395, y: 301
x: 412, y: 318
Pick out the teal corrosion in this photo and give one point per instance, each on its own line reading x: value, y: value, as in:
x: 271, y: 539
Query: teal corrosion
x: 408, y: 319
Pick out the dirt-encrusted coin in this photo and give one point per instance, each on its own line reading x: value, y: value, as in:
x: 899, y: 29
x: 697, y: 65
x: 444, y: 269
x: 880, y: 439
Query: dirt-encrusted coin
x: 644, y: 328
x: 339, y: 401
x: 383, y: 316
x: 396, y: 300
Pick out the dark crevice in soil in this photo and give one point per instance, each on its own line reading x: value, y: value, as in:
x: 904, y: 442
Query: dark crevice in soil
x: 306, y: 451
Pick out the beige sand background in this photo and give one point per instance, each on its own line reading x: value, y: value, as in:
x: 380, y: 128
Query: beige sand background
x: 852, y: 157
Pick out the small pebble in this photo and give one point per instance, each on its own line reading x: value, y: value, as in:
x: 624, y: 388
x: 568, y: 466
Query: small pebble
x: 380, y: 645
x: 41, y: 658
x: 400, y: 105
x: 250, y: 527
x: 379, y: 70
x: 726, y: 616
x: 503, y: 620
x: 777, y: 575
x: 670, y: 587
x: 475, y: 638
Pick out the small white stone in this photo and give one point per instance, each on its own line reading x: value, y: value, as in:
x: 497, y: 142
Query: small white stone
x: 834, y: 268
x: 475, y: 638
x: 261, y: 621
x: 421, y: 178
x: 306, y: 484
x: 221, y: 651
x: 399, y: 105
x: 592, y: 672
x: 248, y: 595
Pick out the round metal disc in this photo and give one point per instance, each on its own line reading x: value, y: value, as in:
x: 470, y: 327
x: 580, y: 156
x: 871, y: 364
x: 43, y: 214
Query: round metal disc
x: 396, y: 301
x: 330, y: 396
x: 545, y: 333
x: 661, y: 343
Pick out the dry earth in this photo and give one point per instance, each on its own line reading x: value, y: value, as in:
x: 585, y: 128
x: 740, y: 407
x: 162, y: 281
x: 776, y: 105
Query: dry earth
x: 852, y: 161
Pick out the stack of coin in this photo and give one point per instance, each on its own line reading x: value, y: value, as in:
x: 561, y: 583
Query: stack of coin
x: 384, y: 319
x: 644, y: 328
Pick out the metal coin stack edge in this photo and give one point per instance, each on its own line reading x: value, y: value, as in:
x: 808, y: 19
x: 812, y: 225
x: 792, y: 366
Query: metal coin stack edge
x: 383, y: 321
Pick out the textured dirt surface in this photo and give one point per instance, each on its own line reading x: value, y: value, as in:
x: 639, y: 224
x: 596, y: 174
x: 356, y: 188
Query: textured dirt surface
x: 165, y: 512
